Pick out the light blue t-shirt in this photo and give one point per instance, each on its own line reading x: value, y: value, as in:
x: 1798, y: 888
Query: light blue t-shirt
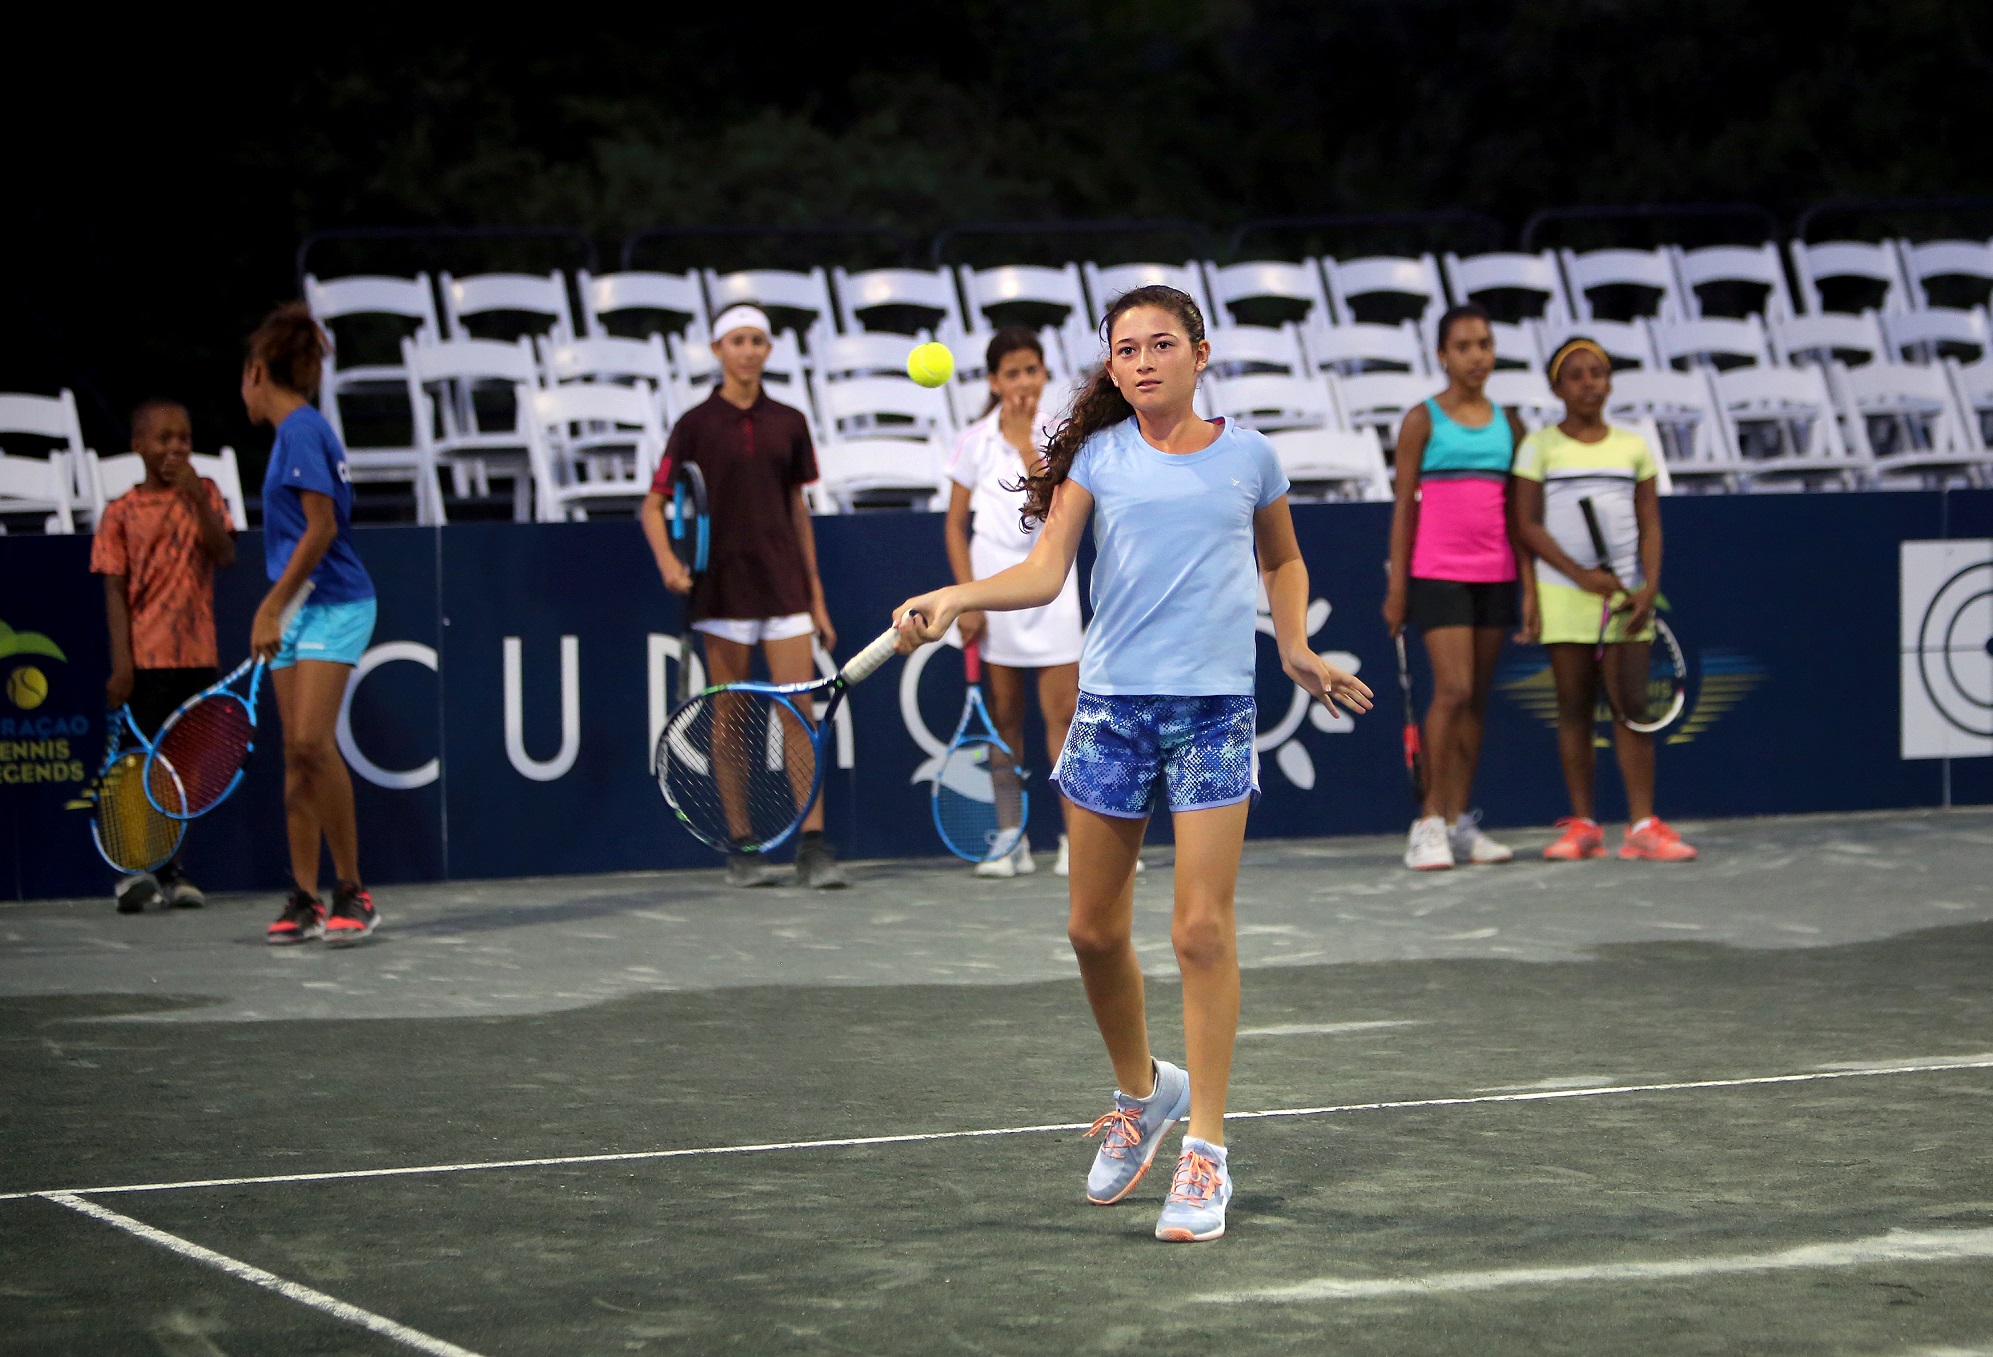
x: 1176, y: 586
x: 307, y: 456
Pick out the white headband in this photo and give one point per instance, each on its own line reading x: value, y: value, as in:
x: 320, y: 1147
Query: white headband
x: 742, y: 317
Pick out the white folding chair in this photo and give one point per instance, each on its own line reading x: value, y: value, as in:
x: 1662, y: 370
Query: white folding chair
x: 883, y: 407
x: 1910, y: 424
x: 783, y: 293
x: 1478, y: 275
x: 676, y: 294
x: 1106, y: 285
x: 1715, y: 342
x: 1873, y: 263
x: 1290, y: 287
x: 1925, y: 336
x: 1641, y: 270
x: 1627, y: 343
x: 865, y: 354
x: 53, y: 420
x: 871, y: 473
x: 1785, y: 426
x: 1268, y: 401
x: 1333, y: 464
x: 484, y: 294
x: 1517, y: 347
x: 1356, y: 347
x: 590, y: 446
x: 115, y: 475
x: 445, y: 382
x: 36, y: 487
x: 1691, y: 435
x: 1527, y: 393
x: 603, y: 358
x: 1041, y: 288
x: 1380, y: 400
x: 405, y: 300
x: 1832, y: 336
x: 1240, y: 349
x: 1737, y: 269
x: 1969, y: 259
x: 924, y: 290
x: 1386, y: 289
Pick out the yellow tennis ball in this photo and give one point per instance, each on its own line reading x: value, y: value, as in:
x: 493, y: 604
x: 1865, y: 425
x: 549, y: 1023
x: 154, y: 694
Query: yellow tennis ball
x: 27, y: 687
x: 931, y: 364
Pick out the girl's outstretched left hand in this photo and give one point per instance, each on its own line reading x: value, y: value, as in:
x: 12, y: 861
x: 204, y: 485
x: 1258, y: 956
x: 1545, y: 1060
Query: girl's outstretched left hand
x: 1325, y: 682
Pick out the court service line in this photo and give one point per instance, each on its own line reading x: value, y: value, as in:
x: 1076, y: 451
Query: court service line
x: 1946, y: 1065
x: 269, y: 1281
x: 1898, y: 1246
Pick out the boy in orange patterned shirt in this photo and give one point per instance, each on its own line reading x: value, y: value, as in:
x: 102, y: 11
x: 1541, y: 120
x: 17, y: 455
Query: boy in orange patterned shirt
x: 157, y: 548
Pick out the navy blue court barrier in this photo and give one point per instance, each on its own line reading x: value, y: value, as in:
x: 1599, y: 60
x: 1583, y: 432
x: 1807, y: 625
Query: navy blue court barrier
x: 502, y: 722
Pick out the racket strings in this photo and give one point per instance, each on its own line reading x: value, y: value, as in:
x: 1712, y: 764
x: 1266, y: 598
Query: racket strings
x: 131, y: 833
x: 738, y: 767
x: 979, y: 800
x: 206, y: 746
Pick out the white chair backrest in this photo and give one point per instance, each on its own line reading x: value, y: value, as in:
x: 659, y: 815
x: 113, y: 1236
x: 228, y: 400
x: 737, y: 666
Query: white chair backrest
x: 1683, y: 409
x: 1270, y: 280
x: 528, y: 293
x: 1034, y: 283
x: 631, y: 407
x: 115, y: 475
x: 1528, y: 394
x: 1971, y: 259
x: 604, y: 295
x: 1712, y: 342
x: 1380, y: 400
x: 40, y: 485
x: 1628, y: 343
x: 604, y: 358
x: 1914, y: 419
x: 1479, y: 274
x: 374, y: 295
x: 1357, y: 347
x: 1784, y: 395
x: 1516, y: 345
x: 1359, y: 280
x: 470, y: 360
x: 1873, y: 262
x: 866, y: 354
x: 1349, y: 464
x: 922, y: 289
x: 884, y: 407
x: 1268, y: 401
x: 51, y: 417
x: 777, y: 289
x: 1648, y: 270
x: 903, y: 469
x: 1748, y: 266
x: 1834, y: 336
x: 1107, y: 284
x: 1922, y: 336
x: 1240, y: 349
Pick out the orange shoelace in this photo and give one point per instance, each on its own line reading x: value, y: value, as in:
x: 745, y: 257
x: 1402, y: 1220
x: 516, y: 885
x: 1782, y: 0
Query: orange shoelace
x: 1196, y: 1178
x: 1122, y: 1127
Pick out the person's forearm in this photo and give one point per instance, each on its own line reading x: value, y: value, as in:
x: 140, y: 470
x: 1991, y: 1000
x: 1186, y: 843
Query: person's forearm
x: 651, y: 516
x: 1031, y: 583
x: 806, y: 541
x: 1404, y: 528
x: 1650, y: 556
x: 215, y: 538
x: 311, y: 549
x: 957, y: 534
x: 1287, y: 597
x: 118, y: 614
x: 1537, y: 540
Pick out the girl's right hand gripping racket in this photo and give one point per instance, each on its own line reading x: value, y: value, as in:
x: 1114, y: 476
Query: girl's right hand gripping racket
x: 1666, y: 691
x: 198, y: 756
x: 980, y: 805
x: 741, y: 764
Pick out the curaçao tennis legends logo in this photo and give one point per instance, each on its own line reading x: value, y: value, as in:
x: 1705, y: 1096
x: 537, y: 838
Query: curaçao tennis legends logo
x: 39, y: 742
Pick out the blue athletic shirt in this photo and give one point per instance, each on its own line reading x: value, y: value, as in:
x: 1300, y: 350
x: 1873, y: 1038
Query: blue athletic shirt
x: 307, y: 456
x: 1175, y: 586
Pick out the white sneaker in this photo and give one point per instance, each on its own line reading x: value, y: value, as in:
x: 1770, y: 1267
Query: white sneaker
x: 1003, y: 868
x: 1063, y: 867
x: 1022, y: 859
x: 1426, y: 849
x: 1470, y: 845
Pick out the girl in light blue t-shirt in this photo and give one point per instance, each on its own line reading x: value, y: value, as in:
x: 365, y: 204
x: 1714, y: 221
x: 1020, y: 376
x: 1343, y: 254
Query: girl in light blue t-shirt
x: 1180, y: 506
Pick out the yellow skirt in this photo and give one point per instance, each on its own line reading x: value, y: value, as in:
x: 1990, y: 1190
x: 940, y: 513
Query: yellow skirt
x: 1571, y: 617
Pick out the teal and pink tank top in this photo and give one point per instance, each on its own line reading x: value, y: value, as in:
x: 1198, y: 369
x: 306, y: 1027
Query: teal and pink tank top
x: 1463, y: 487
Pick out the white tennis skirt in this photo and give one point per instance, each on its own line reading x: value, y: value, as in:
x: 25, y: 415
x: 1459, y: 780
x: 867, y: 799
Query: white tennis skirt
x: 1035, y: 638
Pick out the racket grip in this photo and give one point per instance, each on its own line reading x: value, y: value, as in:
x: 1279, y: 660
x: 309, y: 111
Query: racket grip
x: 290, y: 613
x: 972, y: 662
x: 867, y: 661
x: 1598, y: 533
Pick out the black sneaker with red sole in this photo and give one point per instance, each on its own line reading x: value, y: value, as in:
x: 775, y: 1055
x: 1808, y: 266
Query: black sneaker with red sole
x: 353, y: 915
x: 302, y: 920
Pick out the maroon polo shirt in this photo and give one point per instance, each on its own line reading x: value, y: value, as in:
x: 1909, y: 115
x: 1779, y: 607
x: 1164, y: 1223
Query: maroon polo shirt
x: 752, y: 460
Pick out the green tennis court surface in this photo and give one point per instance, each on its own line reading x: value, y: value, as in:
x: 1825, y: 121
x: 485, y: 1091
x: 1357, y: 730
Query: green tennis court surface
x: 1799, y: 1030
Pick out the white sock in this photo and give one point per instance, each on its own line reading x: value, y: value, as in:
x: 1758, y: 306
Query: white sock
x: 1206, y: 1148
x: 1642, y: 825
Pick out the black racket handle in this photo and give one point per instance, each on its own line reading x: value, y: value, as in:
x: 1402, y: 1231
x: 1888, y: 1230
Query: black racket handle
x: 1598, y: 533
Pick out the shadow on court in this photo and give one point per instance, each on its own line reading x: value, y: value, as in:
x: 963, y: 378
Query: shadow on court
x: 1849, y: 1209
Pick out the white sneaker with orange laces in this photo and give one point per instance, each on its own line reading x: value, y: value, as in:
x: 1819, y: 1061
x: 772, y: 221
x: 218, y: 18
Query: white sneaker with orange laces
x: 1653, y: 840
x: 1133, y: 1132
x: 1195, y: 1208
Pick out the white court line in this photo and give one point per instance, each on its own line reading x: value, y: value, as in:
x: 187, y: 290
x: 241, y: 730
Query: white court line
x: 269, y: 1281
x: 1325, y: 1029
x: 1898, y: 1246
x: 918, y: 1138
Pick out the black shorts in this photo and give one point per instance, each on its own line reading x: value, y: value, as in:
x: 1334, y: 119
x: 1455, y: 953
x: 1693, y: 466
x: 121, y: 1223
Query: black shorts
x: 1450, y: 603
x: 156, y: 692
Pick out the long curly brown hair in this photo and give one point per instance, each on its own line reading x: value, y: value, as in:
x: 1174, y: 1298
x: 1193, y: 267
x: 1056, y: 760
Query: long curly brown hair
x: 1100, y: 403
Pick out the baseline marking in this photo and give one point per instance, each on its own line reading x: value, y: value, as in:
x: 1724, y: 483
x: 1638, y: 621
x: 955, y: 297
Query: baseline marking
x: 256, y: 1276
x: 1898, y: 1246
x: 1944, y: 1065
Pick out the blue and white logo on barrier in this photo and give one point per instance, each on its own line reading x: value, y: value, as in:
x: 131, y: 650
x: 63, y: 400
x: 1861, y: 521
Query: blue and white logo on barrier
x: 1947, y: 649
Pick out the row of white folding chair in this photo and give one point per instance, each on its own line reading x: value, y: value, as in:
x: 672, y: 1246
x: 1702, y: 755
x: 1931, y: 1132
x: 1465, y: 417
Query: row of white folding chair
x: 32, y: 487
x: 110, y: 477
x: 52, y: 420
x: 589, y: 445
x: 1943, y: 258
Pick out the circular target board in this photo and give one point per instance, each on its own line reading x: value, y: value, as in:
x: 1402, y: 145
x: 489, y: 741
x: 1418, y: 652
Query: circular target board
x: 1955, y: 649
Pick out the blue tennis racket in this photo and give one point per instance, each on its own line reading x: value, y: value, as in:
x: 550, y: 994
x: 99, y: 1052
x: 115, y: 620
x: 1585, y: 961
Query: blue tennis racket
x: 691, y: 532
x: 741, y: 764
x: 980, y: 806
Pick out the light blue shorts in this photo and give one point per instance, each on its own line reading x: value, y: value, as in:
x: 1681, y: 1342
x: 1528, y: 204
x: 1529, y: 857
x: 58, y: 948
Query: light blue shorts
x: 334, y: 632
x: 1125, y: 754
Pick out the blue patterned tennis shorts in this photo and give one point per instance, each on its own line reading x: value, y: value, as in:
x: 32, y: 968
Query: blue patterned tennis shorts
x: 1122, y: 750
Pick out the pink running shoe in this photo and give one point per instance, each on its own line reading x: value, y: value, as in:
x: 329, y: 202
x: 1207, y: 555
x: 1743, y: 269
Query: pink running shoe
x: 1581, y: 838
x: 1653, y: 840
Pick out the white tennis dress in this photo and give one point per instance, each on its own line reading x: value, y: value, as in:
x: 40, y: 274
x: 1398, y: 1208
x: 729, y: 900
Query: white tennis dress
x: 1034, y: 638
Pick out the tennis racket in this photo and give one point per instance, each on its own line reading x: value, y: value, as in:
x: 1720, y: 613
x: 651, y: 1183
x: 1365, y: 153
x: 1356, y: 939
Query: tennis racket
x: 1666, y: 691
x: 979, y: 799
x: 198, y: 756
x: 129, y: 831
x: 1415, y: 754
x: 691, y: 539
x: 741, y: 764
